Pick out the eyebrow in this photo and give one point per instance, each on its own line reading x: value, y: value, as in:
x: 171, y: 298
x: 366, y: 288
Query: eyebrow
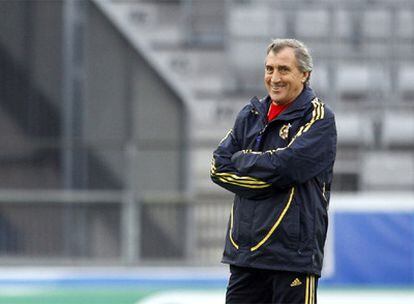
x: 283, y: 67
x: 279, y: 67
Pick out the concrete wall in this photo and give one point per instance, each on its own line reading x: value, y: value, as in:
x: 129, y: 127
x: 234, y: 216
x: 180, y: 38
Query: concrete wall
x: 128, y: 104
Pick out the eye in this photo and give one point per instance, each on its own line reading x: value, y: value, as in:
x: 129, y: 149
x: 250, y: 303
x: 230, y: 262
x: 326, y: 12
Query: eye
x: 284, y: 69
x: 268, y: 69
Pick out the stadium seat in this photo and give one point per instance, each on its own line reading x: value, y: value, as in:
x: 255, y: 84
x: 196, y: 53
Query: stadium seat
x: 377, y: 23
x: 356, y: 81
x: 398, y: 130
x: 353, y: 81
x: 354, y: 130
x: 387, y: 170
x: 277, y: 24
x: 405, y: 23
x: 343, y: 27
x: 406, y: 82
x: 249, y: 21
x: 206, y: 23
x: 312, y: 23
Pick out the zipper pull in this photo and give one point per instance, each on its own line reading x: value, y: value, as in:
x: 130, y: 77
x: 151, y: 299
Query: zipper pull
x: 263, y: 130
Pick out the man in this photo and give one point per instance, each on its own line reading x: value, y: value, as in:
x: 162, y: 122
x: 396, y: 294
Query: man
x: 278, y: 160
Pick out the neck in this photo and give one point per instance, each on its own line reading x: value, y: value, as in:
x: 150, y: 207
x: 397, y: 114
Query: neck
x: 276, y: 103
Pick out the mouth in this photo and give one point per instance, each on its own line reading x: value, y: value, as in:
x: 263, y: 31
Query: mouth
x: 277, y: 87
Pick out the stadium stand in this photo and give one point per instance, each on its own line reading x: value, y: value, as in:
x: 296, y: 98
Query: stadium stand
x: 152, y: 59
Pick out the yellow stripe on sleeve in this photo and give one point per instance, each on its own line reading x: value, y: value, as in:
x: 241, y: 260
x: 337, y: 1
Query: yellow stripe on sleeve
x: 237, y: 180
x: 243, y: 185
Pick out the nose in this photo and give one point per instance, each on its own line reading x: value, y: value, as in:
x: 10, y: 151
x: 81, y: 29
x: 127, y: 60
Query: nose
x: 275, y: 76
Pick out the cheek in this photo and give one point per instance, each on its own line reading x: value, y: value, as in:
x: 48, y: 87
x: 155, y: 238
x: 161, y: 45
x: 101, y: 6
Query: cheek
x: 297, y: 80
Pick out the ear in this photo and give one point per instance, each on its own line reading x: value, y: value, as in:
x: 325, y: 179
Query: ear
x: 305, y: 76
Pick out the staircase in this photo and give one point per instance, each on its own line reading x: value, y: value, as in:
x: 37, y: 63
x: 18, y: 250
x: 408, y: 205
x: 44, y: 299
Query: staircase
x: 195, y: 60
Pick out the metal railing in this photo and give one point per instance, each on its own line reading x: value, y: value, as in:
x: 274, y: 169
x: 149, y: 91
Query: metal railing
x: 100, y: 227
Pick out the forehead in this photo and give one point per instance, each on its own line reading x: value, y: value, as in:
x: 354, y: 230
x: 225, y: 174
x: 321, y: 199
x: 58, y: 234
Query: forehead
x: 286, y: 56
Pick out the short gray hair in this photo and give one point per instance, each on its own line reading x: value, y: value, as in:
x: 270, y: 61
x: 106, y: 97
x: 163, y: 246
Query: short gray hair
x: 303, y: 57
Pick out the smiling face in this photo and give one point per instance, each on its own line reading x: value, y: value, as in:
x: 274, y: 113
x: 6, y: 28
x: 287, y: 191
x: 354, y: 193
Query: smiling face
x: 283, y: 80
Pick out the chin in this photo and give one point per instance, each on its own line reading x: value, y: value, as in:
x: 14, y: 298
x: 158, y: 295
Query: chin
x: 277, y: 98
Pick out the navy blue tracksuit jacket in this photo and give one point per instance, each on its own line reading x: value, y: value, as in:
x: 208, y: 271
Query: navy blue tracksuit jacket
x: 280, y: 173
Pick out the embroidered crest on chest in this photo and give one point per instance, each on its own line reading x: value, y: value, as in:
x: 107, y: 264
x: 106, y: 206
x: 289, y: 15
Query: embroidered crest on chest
x: 284, y: 131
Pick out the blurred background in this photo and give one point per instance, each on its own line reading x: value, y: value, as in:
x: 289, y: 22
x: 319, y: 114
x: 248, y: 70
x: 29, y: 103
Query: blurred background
x: 110, y: 111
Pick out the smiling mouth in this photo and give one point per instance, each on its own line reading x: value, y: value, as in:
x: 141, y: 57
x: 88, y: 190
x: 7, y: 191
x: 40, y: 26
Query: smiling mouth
x: 277, y: 87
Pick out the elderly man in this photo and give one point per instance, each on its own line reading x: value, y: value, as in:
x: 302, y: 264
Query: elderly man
x: 278, y: 160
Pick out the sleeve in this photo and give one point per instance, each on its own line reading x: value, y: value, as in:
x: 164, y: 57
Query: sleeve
x: 224, y: 173
x: 311, y: 151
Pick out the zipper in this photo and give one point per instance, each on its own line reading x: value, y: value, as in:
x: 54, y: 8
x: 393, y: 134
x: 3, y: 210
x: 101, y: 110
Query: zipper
x: 258, y: 140
x: 266, y: 124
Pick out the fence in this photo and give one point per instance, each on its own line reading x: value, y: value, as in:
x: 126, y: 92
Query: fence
x: 109, y: 227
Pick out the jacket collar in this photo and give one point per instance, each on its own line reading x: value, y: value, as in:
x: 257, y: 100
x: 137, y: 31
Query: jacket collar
x: 296, y: 109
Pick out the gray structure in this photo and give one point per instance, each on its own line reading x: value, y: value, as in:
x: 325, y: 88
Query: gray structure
x: 90, y: 132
